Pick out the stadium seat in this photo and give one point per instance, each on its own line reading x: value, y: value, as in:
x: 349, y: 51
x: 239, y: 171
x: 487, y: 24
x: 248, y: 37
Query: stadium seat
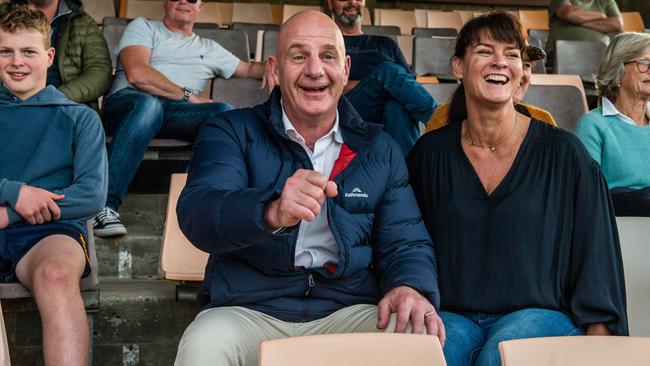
x: 289, y: 10
x: 579, y: 57
x: 112, y: 31
x: 252, y: 32
x: 4, y: 347
x: 465, y: 15
x: 634, y: 233
x: 239, y: 92
x: 534, y: 19
x: 632, y: 21
x: 538, y: 37
x: 210, y: 13
x: 441, y: 93
x: 444, y: 19
x: 17, y: 298
x: 99, y: 9
x: 435, y: 32
x: 145, y: 8
x: 269, y: 43
x: 252, y: 13
x: 576, y: 351
x: 179, y: 259
x: 235, y: 41
x: 382, y: 30
x: 420, y: 17
x: 433, y: 56
x: 405, y: 19
x: 562, y: 95
x: 353, y: 349
x: 366, y: 19
x: 225, y: 12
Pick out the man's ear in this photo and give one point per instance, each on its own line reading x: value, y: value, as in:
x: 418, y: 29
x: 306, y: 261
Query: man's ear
x: 346, y: 66
x: 50, y: 56
x: 457, y: 67
x: 273, y: 64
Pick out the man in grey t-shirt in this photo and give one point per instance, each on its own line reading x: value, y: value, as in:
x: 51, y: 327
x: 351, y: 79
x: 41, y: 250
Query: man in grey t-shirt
x: 162, y: 67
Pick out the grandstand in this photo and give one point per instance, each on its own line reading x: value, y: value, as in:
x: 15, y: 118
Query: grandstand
x: 144, y: 302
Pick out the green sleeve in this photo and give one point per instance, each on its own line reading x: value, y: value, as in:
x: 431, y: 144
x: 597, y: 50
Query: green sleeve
x: 588, y: 132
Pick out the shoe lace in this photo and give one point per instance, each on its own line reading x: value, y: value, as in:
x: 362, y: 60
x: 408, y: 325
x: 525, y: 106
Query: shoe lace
x: 108, y: 214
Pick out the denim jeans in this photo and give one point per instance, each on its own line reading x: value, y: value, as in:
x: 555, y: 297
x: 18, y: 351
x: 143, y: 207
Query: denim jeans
x: 133, y: 118
x: 473, y: 338
x: 390, y: 95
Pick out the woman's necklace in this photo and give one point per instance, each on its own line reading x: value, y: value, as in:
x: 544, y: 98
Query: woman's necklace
x: 494, y: 146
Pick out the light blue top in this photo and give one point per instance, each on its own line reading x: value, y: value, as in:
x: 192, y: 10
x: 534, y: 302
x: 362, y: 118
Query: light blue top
x: 621, y: 148
x: 187, y: 61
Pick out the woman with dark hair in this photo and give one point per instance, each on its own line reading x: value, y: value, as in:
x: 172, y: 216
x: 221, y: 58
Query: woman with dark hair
x: 525, y: 235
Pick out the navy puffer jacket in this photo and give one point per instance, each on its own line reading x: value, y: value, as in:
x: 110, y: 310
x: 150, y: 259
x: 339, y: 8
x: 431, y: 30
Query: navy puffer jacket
x: 242, y: 161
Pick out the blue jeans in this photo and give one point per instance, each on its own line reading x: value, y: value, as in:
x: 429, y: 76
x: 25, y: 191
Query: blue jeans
x: 133, y: 118
x: 390, y: 95
x: 473, y: 338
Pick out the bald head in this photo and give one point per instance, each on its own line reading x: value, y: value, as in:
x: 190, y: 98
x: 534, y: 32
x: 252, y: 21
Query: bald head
x: 305, y: 23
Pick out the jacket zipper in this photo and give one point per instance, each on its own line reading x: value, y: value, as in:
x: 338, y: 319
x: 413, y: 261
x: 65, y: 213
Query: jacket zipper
x: 310, y: 283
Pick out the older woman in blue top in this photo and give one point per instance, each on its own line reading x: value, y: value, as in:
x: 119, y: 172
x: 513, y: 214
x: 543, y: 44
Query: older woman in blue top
x: 617, y: 133
x: 518, y: 211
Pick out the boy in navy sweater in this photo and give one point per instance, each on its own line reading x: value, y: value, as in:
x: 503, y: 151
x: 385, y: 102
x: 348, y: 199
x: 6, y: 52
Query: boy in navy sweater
x: 52, y: 179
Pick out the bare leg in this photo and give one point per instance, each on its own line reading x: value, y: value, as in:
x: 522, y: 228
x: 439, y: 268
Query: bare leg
x: 51, y: 270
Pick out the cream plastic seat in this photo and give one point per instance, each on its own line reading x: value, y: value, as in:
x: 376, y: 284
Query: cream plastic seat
x: 145, y: 8
x: 534, y: 19
x: 289, y: 10
x: 576, y: 351
x: 4, y: 347
x: 405, y: 19
x: 100, y: 9
x: 252, y: 13
x: 444, y: 19
x: 354, y: 349
x: 632, y: 21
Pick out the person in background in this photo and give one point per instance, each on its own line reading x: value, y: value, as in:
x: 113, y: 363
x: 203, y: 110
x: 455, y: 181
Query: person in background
x: 524, y: 231
x: 529, y: 57
x: 617, y: 133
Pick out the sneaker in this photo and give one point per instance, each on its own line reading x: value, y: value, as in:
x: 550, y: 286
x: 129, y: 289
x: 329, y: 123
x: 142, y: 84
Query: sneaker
x: 107, y: 223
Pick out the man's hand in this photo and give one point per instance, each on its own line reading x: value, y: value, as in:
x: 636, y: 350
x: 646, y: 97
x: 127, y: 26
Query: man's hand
x: 301, y: 199
x: 409, y: 304
x: 269, y: 78
x: 199, y: 99
x: 4, y: 217
x: 37, y: 205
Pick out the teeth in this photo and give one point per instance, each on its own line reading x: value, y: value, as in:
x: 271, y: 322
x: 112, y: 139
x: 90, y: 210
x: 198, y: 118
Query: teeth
x: 497, y: 78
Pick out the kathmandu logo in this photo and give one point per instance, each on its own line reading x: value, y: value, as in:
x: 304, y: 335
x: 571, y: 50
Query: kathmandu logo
x: 356, y: 193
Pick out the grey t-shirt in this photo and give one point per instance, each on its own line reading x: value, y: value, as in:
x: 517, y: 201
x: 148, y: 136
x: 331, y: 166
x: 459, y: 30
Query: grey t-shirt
x: 188, y: 61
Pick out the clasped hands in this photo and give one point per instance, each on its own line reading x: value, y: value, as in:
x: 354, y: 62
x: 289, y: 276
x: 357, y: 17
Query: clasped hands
x: 35, y: 205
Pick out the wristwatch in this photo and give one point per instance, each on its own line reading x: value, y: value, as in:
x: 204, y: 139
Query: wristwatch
x: 187, y: 94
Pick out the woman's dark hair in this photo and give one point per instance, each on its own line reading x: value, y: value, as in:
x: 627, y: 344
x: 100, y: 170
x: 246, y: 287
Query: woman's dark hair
x: 497, y: 25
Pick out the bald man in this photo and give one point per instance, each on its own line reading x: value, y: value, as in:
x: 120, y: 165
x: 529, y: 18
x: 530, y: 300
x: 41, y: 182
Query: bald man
x: 307, y: 215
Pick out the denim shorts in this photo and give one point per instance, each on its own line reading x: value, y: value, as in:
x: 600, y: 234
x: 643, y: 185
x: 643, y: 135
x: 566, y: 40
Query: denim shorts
x: 17, y: 240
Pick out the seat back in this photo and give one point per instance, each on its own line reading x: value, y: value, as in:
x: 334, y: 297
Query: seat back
x: 235, y: 41
x: 534, y: 19
x: 366, y: 19
x: 632, y: 21
x: 441, y: 93
x: 179, y: 259
x: 381, y: 30
x: 579, y: 57
x: 251, y: 31
x: 404, y: 19
x: 210, y: 13
x: 269, y: 43
x: 112, y: 34
x: 420, y: 17
x: 239, y: 92
x: 289, y: 10
x: 99, y: 9
x: 432, y: 55
x: 435, y: 32
x: 634, y: 233
x: 576, y: 351
x: 354, y: 349
x: 562, y: 95
x: 444, y: 19
x: 145, y: 8
x: 465, y: 15
x: 4, y: 346
x: 252, y: 13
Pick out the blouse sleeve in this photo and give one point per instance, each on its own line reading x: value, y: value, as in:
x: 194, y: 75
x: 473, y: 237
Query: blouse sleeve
x: 596, y: 284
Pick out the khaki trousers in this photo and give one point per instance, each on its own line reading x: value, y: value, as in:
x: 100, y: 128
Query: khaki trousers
x: 231, y: 336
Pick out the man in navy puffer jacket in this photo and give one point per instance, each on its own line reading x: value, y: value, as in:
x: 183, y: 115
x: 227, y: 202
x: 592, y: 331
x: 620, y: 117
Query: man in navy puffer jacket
x: 306, y: 212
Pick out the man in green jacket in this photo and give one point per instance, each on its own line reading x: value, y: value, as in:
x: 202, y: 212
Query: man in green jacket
x: 82, y: 67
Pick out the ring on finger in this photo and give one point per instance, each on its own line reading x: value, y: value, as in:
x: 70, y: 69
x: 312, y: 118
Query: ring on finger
x: 430, y: 312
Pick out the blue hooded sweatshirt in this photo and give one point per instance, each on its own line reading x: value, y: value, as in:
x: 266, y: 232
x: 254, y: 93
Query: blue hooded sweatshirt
x: 50, y: 142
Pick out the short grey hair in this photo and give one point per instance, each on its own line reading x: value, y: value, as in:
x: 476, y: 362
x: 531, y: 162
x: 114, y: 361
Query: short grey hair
x: 625, y: 47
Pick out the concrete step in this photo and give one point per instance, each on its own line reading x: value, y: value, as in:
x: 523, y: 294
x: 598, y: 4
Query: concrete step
x: 139, y: 322
x: 135, y: 255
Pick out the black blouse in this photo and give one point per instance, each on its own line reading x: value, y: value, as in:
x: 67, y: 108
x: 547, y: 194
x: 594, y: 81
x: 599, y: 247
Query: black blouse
x: 546, y: 237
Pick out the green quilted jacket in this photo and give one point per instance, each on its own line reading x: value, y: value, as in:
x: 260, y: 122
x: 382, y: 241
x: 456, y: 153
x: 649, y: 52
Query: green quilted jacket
x: 82, y: 54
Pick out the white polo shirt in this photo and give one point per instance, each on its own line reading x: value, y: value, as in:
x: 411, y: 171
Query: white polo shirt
x: 316, y: 245
x: 609, y: 109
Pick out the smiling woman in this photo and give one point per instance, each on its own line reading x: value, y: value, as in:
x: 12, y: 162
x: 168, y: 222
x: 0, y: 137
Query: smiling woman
x: 521, y: 250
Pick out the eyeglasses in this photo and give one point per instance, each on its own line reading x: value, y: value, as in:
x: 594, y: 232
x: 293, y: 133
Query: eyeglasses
x: 643, y: 65
x: 188, y: 1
